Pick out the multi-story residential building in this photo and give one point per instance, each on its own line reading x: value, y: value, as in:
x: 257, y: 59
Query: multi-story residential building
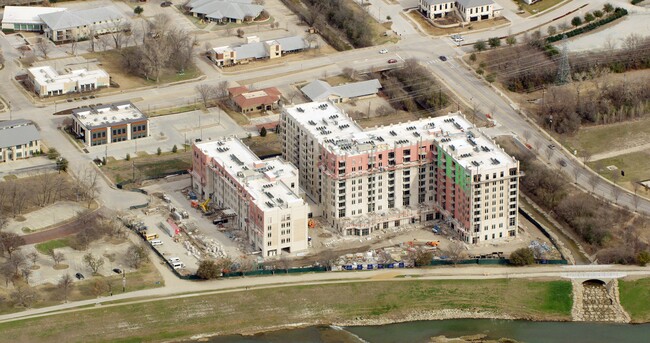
x: 110, y: 123
x: 63, y: 25
x: 466, y: 10
x: 434, y: 168
x: 48, y: 82
x: 19, y: 139
x: 263, y: 194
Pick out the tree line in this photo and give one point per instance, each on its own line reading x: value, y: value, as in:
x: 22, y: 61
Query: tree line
x: 412, y: 86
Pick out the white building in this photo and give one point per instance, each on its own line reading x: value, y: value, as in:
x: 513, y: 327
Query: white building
x: 24, y: 18
x: 224, y: 11
x: 48, y: 82
x: 19, y: 139
x: 433, y: 168
x: 110, y: 123
x: 466, y: 10
x: 263, y: 194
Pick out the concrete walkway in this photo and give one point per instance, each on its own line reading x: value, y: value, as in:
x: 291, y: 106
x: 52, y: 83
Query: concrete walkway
x: 46, y: 216
x: 618, y: 152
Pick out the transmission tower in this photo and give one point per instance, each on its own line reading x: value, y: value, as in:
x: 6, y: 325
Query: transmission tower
x: 564, y: 69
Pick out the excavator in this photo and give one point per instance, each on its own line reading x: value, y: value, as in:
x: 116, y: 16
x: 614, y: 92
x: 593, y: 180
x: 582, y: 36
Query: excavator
x: 311, y: 224
x: 205, y: 204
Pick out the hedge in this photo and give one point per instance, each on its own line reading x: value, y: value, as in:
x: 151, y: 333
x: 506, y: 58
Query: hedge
x: 634, y: 2
x: 618, y: 13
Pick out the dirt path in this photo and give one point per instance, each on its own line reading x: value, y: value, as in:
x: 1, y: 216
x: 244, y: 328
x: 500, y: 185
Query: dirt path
x: 64, y: 230
x: 618, y: 152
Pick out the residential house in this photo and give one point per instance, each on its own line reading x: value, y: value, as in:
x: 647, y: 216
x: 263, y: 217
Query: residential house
x: 433, y: 9
x: 48, y: 82
x: 255, y: 50
x: 110, y: 123
x: 263, y: 195
x: 224, y: 11
x: 322, y: 91
x: 62, y: 25
x: 19, y: 139
x: 246, y: 101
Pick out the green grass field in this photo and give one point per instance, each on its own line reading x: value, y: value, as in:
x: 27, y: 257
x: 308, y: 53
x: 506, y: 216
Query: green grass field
x: 45, y: 247
x: 603, y: 138
x: 539, y: 6
x: 636, y: 166
x: 244, y: 311
x: 635, y: 298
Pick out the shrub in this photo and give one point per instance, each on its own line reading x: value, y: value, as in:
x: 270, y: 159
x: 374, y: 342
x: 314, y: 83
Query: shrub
x: 174, y: 149
x: 490, y: 77
x: 511, y: 40
x: 480, y: 45
x: 643, y: 258
x: 522, y: 257
x: 589, y: 17
x: 480, y: 71
x: 494, y: 42
x: 208, y: 269
x: 472, y: 57
x: 138, y: 10
x: 53, y: 154
x: 598, y: 13
x: 576, y: 21
x: 263, y: 132
x: 618, y: 13
x: 159, y: 151
x: 128, y: 157
x: 608, y: 8
x: 551, y: 30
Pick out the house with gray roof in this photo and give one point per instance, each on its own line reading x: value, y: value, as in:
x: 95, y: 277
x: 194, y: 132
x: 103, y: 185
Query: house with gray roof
x: 224, y: 11
x: 254, y: 49
x: 322, y: 91
x: 63, y: 25
x: 19, y: 139
x: 465, y: 10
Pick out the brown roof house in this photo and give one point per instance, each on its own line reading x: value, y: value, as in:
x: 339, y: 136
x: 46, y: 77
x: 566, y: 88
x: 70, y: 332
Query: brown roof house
x: 246, y: 101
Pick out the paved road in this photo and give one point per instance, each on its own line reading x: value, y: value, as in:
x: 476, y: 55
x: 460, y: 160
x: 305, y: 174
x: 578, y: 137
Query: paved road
x: 189, y: 288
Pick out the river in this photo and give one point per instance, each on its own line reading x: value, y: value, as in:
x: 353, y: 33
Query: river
x: 421, y: 332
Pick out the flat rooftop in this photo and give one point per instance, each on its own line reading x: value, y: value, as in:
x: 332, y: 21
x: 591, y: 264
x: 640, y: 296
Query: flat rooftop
x: 261, y: 178
x: 47, y: 74
x: 108, y: 115
x: 340, y: 135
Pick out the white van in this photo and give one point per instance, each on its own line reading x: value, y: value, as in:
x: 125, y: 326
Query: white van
x: 156, y: 242
x: 178, y: 265
x: 174, y: 259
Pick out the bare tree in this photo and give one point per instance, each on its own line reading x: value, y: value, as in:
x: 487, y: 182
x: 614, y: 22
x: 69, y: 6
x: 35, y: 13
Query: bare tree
x: 98, y: 288
x: 65, y: 284
x: 24, y: 296
x: 26, y: 273
x: 88, y: 184
x: 527, y: 135
x: 284, y: 262
x: 17, y: 261
x: 7, y: 272
x: 118, y: 33
x: 2, y: 58
x: 593, y: 181
x: 616, y: 192
x: 94, y: 263
x: 312, y: 40
x: 10, y: 242
x: 136, y: 255
x: 586, y: 156
x: 548, y: 152
x: 228, y: 31
x: 456, y: 252
x: 240, y: 33
x: 32, y: 257
x: 350, y: 73
x: 43, y: 46
x: 206, y: 93
x: 57, y: 257
x: 73, y: 47
x: 221, y: 89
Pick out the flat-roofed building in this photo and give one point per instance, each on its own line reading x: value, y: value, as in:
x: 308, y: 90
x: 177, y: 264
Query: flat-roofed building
x: 48, y: 82
x: 414, y: 172
x: 19, y: 139
x: 24, y: 18
x: 109, y: 123
x: 263, y: 194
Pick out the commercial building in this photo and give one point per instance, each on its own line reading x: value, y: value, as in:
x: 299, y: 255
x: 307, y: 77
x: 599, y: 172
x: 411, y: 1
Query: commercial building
x: 48, y: 82
x: 255, y: 50
x: 263, y: 194
x: 19, y: 139
x: 465, y: 10
x: 110, y: 123
x: 433, y: 168
x: 63, y: 25
x: 224, y: 11
x: 246, y: 101
x: 318, y: 90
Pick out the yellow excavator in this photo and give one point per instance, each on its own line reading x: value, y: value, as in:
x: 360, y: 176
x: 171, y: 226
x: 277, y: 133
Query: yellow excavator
x: 205, y: 204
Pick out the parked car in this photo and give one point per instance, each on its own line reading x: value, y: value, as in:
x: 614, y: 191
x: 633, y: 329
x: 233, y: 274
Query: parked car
x: 166, y: 4
x: 551, y: 146
x: 563, y: 163
x: 383, y: 51
x: 117, y: 270
x: 457, y: 38
x: 392, y: 60
x: 443, y: 58
x: 79, y: 276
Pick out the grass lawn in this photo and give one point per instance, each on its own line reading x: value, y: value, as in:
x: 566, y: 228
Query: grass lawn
x: 44, y: 247
x: 539, y: 6
x: 173, y: 110
x: 264, y: 146
x: 636, y: 166
x: 243, y: 311
x: 147, y: 166
x: 604, y: 138
x: 634, y: 296
x: 110, y: 61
